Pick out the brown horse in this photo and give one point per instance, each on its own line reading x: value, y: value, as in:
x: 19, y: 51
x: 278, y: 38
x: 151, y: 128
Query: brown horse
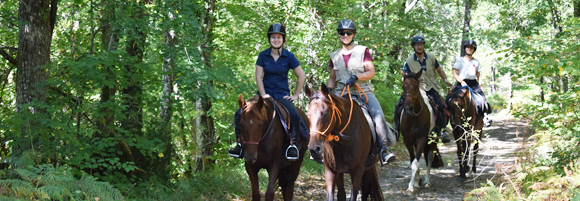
x: 416, y: 124
x: 263, y: 143
x: 467, y: 127
x: 341, y: 137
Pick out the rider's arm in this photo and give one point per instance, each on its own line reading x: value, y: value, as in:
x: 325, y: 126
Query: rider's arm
x: 369, y: 71
x: 301, y: 77
x: 443, y: 76
x: 456, y: 76
x: 259, y: 82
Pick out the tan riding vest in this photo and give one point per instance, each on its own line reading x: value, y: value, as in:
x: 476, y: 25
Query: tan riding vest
x: 355, y: 66
x: 428, y: 79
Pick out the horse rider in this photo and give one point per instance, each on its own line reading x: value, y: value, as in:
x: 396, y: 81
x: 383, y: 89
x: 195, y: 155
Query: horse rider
x: 428, y: 82
x: 466, y: 72
x: 354, y: 64
x: 272, y: 69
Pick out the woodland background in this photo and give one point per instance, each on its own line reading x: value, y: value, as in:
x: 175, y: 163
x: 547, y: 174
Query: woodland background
x: 134, y: 99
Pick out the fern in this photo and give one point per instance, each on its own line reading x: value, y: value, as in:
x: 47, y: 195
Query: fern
x: 46, y: 182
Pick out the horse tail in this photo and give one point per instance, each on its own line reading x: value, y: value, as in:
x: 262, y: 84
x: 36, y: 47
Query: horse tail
x: 437, y: 159
x: 370, y: 185
x: 328, y: 155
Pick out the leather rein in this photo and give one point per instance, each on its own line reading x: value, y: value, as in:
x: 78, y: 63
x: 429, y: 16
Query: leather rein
x: 336, y: 112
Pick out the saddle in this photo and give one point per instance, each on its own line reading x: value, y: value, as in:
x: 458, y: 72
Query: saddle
x: 284, y: 115
x: 375, y: 138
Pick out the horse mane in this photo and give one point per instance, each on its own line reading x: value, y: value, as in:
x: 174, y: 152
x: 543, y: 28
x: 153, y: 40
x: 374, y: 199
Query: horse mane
x: 251, y: 108
x: 409, y: 75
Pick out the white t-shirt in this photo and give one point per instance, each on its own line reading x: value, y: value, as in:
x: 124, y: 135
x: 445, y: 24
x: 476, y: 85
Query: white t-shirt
x: 467, y: 69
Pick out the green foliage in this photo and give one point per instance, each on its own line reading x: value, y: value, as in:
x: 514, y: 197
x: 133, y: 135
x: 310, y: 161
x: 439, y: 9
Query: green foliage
x: 45, y: 182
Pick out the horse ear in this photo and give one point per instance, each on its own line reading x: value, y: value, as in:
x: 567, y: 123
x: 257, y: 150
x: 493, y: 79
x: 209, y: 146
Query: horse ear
x: 308, y: 91
x: 418, y: 74
x: 241, y: 101
x: 260, y: 102
x: 324, y: 89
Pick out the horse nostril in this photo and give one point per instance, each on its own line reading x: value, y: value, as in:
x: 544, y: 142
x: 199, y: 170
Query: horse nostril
x: 317, y: 150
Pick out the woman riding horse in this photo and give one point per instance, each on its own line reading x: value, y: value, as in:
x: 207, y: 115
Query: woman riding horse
x: 354, y: 64
x: 272, y: 69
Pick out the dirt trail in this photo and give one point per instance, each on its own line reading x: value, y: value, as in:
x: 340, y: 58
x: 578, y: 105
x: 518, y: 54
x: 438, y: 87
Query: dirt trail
x: 501, y: 143
x: 499, y: 149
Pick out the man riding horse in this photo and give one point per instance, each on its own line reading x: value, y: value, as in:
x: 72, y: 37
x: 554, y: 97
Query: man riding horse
x: 427, y: 62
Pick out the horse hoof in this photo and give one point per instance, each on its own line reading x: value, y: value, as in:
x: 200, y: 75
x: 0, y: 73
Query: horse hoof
x: 410, y: 191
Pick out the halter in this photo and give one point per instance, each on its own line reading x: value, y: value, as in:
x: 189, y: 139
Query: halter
x: 263, y: 135
x: 336, y: 112
x: 467, y: 105
x: 422, y: 103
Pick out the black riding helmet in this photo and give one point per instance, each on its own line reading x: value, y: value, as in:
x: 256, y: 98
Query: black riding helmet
x: 346, y: 24
x: 417, y: 39
x: 470, y: 43
x: 279, y: 29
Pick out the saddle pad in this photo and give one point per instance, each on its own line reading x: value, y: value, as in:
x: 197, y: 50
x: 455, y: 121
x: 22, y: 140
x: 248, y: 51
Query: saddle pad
x: 370, y: 120
x: 304, y: 132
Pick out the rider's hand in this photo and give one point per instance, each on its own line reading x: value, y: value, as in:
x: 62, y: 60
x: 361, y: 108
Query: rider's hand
x: 463, y: 83
x: 291, y: 98
x: 448, y: 84
x: 352, y: 80
x: 266, y: 96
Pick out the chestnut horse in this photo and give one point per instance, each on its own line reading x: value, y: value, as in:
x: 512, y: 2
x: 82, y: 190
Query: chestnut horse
x: 263, y: 143
x: 340, y: 137
x: 416, y: 125
x: 467, y: 126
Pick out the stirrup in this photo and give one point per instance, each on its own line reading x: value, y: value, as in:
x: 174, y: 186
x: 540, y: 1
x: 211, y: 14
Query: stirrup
x: 297, y: 152
x: 390, y: 157
x: 239, y: 154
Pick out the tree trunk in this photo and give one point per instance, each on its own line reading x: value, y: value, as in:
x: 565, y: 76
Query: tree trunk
x: 208, y: 131
x: 37, y: 18
x: 109, y: 43
x: 493, y: 79
x: 542, y: 88
x: 166, y: 113
x: 576, y: 8
x: 466, y: 21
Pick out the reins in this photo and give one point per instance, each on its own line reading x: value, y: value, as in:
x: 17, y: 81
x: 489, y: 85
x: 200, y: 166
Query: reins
x: 336, y: 112
x: 263, y: 135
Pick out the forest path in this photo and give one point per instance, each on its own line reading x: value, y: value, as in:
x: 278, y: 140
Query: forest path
x: 498, y: 152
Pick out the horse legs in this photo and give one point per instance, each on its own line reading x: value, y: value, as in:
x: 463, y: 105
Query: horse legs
x: 253, y: 174
x: 370, y: 185
x: 462, y: 150
x: 329, y: 180
x: 429, y: 160
x: 356, y: 178
x: 289, y: 178
x: 475, y: 150
x: 272, y: 177
x: 339, y: 183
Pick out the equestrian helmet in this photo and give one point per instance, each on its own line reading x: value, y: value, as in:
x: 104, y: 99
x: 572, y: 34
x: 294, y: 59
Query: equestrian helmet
x: 470, y: 43
x: 417, y: 39
x: 277, y: 28
x: 346, y: 24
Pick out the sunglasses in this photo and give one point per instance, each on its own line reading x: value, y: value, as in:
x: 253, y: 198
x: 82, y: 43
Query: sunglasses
x: 349, y: 33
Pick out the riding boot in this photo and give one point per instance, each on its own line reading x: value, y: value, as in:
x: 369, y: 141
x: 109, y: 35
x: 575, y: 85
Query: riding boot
x: 292, y: 152
x: 385, y: 157
x: 236, y: 152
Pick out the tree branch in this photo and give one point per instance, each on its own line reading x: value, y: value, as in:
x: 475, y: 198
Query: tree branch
x: 7, y: 56
x: 410, y: 6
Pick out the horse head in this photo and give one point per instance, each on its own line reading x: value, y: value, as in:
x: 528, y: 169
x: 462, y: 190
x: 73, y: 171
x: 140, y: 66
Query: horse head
x: 411, y: 90
x: 459, y: 105
x: 322, y: 120
x: 252, y: 121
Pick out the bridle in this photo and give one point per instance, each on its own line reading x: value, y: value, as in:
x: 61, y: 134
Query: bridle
x: 467, y: 105
x: 421, y: 102
x: 264, y: 134
x: 336, y: 112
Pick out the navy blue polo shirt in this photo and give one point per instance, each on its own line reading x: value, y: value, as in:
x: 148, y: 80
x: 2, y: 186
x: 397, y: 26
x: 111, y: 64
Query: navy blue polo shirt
x: 276, y: 72
x: 423, y: 64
